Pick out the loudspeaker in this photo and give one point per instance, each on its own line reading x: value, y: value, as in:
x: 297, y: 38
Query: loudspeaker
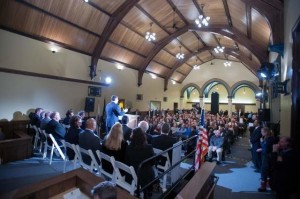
x: 89, y: 104
x: 214, y: 108
x: 264, y: 114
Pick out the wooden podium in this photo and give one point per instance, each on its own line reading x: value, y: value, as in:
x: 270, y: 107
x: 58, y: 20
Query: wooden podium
x: 133, y: 120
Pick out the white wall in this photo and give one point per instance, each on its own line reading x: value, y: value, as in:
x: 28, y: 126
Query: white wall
x: 230, y: 75
x: 20, y: 93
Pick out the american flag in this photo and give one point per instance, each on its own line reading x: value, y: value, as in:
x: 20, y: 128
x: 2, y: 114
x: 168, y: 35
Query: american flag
x: 202, y: 143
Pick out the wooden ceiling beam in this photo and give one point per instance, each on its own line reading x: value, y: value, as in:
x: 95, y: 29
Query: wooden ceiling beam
x: 237, y: 36
x: 224, y: 30
x: 198, y: 7
x: 177, y: 12
x: 111, y: 25
x: 274, y: 17
x: 152, y: 18
x: 249, y: 64
x: 225, y: 4
x: 156, y: 49
x: 249, y: 21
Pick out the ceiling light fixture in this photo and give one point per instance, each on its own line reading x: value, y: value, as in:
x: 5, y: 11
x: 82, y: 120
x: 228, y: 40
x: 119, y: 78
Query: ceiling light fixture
x: 153, y: 76
x: 150, y: 36
x: 86, y: 1
x: 202, y: 20
x: 180, y: 55
x: 173, y: 81
x: 196, y: 66
x: 119, y: 66
x: 227, y: 63
x: 219, y: 48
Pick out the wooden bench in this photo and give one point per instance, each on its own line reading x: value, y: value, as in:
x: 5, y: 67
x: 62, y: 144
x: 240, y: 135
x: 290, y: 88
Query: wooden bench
x: 201, y: 185
x: 19, y: 147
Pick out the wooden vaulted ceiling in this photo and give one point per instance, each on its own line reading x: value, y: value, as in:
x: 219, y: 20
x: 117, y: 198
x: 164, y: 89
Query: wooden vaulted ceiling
x: 114, y: 30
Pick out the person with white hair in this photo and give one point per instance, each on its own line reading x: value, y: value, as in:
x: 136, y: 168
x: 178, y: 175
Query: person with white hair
x: 145, y: 127
x: 216, y: 145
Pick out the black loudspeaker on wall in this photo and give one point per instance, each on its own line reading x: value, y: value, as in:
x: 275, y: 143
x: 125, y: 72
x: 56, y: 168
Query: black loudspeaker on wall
x: 214, y: 103
x: 89, y: 104
x: 264, y: 114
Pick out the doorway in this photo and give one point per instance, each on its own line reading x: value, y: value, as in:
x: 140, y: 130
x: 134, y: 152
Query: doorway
x: 155, y: 105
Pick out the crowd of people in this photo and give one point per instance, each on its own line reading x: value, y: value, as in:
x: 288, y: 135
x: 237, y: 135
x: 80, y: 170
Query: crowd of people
x: 275, y: 160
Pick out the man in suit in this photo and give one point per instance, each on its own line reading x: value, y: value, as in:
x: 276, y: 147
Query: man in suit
x: 164, y: 141
x: 112, y: 111
x: 88, y: 140
x: 35, y: 118
x: 255, y: 144
x: 55, y: 128
x: 126, y: 130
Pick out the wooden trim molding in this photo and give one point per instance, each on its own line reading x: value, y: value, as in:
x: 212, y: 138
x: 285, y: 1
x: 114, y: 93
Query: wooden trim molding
x: 19, y: 72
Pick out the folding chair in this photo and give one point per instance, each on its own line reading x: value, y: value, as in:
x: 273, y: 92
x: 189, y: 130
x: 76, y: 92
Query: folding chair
x: 120, y: 180
x: 55, y: 148
x: 163, y: 168
x: 88, y: 153
x: 72, y: 147
x: 104, y: 157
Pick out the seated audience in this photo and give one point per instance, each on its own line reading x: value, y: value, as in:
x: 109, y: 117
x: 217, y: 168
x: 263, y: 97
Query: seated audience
x: 72, y: 135
x: 67, y: 119
x: 126, y: 130
x: 164, y: 141
x: 45, y: 121
x: 104, y: 190
x: 137, y: 151
x: 35, y: 117
x: 88, y: 140
x: 216, y: 145
x: 55, y: 128
x: 114, y: 145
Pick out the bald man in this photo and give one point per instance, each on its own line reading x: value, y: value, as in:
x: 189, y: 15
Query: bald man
x: 88, y: 139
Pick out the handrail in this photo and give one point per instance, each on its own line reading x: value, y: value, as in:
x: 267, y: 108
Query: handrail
x: 138, y: 191
x: 213, y: 187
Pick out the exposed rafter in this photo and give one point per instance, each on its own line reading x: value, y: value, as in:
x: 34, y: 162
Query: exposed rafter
x: 249, y: 21
x: 227, y: 13
x: 223, y: 30
x: 275, y: 18
x: 111, y: 25
x: 249, y: 64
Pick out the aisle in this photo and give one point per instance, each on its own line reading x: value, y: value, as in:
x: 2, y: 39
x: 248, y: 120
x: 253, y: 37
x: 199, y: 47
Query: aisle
x: 237, y: 178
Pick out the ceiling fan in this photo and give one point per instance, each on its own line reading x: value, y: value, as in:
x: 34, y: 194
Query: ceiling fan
x: 174, y: 23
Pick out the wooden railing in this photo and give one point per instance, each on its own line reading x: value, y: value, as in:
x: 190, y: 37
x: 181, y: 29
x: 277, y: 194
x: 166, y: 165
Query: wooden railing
x: 19, y: 147
x: 202, y: 183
